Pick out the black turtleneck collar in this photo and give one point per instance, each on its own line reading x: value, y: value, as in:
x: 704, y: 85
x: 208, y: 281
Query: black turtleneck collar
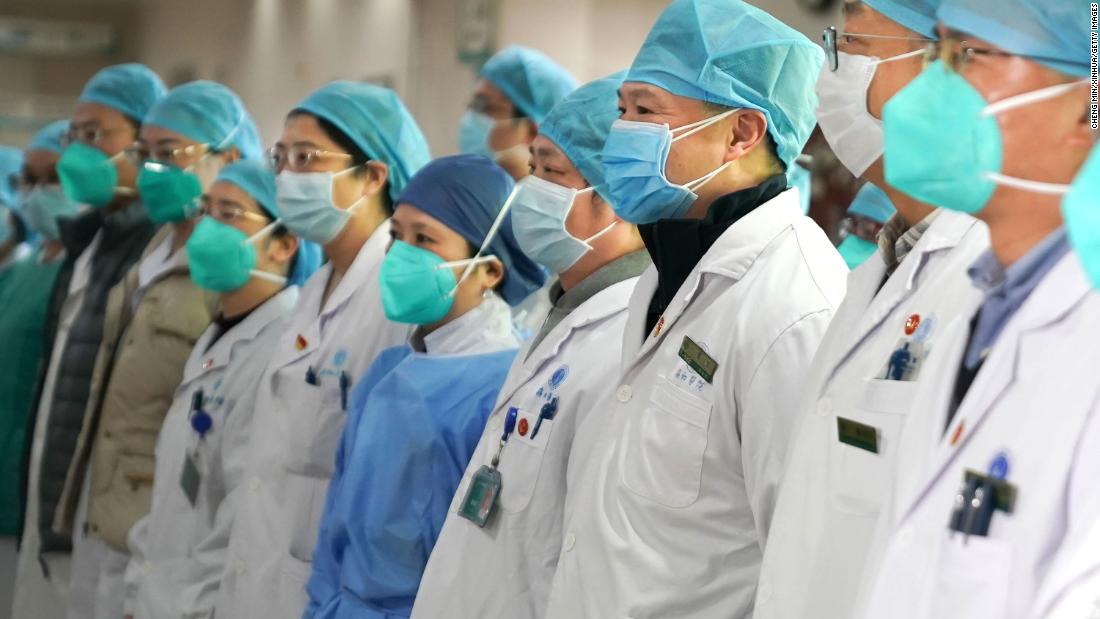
x: 76, y: 233
x: 677, y: 245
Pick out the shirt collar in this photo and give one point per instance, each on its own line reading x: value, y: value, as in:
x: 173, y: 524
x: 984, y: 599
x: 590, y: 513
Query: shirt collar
x: 992, y: 278
x: 485, y: 329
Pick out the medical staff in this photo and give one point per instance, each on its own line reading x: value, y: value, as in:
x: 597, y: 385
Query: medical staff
x: 563, y: 221
x: 1072, y: 587
x: 346, y: 153
x: 671, y: 513
x: 515, y: 90
x: 101, y: 245
x: 994, y: 480
x: 153, y: 319
x: 869, y: 211
x: 452, y: 269
x: 873, y: 358
x: 240, y: 251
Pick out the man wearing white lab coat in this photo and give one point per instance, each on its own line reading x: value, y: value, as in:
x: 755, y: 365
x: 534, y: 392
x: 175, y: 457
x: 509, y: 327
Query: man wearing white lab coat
x: 904, y: 294
x: 556, y: 381
x: 671, y: 513
x: 334, y: 334
x: 994, y: 483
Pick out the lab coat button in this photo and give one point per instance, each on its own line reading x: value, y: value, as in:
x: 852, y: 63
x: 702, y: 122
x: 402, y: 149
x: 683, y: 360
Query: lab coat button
x: 824, y: 407
x: 624, y: 393
x: 570, y: 541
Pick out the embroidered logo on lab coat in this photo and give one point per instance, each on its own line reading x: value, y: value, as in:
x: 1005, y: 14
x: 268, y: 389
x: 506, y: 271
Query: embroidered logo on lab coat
x: 559, y: 377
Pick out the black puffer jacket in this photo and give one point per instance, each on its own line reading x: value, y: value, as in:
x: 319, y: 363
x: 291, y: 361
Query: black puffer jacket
x: 125, y: 235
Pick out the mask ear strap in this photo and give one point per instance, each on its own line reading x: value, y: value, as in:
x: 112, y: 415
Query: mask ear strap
x: 703, y: 180
x: 1053, y: 189
x: 489, y: 235
x: 264, y: 232
x: 698, y: 126
x: 916, y: 52
x: 271, y: 277
x: 1028, y: 98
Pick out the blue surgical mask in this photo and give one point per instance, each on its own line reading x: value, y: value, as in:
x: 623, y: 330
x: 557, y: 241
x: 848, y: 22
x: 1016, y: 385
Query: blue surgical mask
x: 944, y: 144
x: 538, y: 221
x: 634, y: 159
x: 43, y: 205
x: 473, y: 137
x: 305, y: 201
x: 1081, y: 210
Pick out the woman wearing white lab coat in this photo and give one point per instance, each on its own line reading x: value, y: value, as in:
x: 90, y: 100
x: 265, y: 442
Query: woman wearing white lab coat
x: 832, y: 490
x: 346, y: 152
x: 178, y: 548
x: 565, y: 371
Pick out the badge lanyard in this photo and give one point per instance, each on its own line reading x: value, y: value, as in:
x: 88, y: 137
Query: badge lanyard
x: 481, y: 498
x: 201, y: 423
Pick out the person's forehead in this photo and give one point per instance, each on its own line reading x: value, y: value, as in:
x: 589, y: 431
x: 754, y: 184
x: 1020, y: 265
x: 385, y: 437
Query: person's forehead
x: 304, y: 130
x: 544, y: 148
x: 88, y: 112
x: 154, y: 135
x: 410, y: 216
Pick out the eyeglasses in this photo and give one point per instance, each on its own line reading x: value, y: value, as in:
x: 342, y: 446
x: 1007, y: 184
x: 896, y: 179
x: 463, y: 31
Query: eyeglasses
x: 830, y: 36
x: 227, y: 212
x: 139, y: 154
x: 91, y: 135
x: 957, y: 54
x: 298, y: 158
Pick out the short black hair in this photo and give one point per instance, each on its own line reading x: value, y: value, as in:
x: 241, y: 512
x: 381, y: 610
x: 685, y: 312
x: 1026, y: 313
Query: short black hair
x: 358, y: 156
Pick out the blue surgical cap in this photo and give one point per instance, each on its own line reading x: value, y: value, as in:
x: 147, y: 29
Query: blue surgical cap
x: 729, y: 53
x: 916, y: 15
x: 130, y: 88
x: 466, y: 193
x: 530, y: 80
x: 49, y: 137
x: 579, y: 125
x: 1057, y: 32
x: 376, y: 120
x: 11, y: 164
x: 209, y: 113
x: 872, y: 203
x: 257, y: 179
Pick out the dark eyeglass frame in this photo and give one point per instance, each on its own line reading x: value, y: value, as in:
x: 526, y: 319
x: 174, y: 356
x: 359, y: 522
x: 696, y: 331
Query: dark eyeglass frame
x: 830, y: 35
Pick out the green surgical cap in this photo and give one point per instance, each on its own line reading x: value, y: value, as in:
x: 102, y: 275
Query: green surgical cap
x: 131, y: 89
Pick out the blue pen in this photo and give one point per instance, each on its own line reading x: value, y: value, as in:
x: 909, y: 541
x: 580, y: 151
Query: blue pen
x: 311, y: 376
x: 345, y: 382
x: 548, y: 411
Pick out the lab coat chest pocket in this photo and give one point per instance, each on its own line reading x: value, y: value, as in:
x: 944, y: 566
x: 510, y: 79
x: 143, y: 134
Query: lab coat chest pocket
x: 859, y: 476
x: 520, y: 463
x: 662, y: 457
x: 315, y: 429
x: 973, y: 577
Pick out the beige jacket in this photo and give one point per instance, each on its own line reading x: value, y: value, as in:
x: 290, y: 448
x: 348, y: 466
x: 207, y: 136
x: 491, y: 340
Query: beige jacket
x: 138, y: 367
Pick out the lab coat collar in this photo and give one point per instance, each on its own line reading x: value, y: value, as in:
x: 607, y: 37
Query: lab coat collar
x: 485, y: 329
x: 730, y: 257
x: 203, y: 361
x: 1063, y: 289
x: 944, y: 234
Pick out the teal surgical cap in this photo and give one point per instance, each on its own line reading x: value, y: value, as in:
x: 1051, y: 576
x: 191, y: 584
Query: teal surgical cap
x: 579, y: 125
x: 530, y: 80
x: 257, y: 179
x: 208, y: 113
x: 131, y: 89
x: 729, y: 53
x: 49, y: 137
x: 916, y: 15
x: 872, y: 203
x: 376, y: 120
x: 1055, y: 32
x: 11, y: 164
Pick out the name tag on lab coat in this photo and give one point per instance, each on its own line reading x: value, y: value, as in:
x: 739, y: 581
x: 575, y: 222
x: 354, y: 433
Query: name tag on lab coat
x: 856, y: 434
x: 697, y: 359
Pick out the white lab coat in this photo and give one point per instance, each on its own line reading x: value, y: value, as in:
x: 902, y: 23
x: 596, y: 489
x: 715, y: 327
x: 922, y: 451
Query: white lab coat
x: 1034, y: 402
x: 178, y: 549
x: 831, y: 491
x: 295, y: 432
x: 1072, y: 587
x: 517, y: 551
x: 671, y: 513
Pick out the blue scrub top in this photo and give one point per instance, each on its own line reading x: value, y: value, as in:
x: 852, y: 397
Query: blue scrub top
x: 414, y: 421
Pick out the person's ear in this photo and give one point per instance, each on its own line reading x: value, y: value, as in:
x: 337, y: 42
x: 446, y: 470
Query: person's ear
x: 281, y: 249
x: 1083, y: 135
x: 748, y: 128
x: 375, y: 173
x: 492, y: 273
x: 231, y: 155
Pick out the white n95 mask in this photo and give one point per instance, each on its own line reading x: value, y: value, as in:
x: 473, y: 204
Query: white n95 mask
x: 855, y: 135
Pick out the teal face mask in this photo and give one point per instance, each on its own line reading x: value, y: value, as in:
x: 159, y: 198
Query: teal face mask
x: 169, y: 193
x: 222, y: 258
x: 943, y: 143
x: 88, y: 175
x: 855, y: 250
x: 1081, y: 209
x: 418, y: 286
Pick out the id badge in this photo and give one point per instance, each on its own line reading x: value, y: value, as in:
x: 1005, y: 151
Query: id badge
x: 190, y: 478
x: 481, y: 497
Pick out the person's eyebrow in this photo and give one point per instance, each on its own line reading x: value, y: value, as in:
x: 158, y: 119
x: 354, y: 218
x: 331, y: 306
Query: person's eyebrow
x: 853, y: 7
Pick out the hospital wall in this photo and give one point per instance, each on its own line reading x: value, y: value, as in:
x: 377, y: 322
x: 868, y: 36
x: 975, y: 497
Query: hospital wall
x: 273, y: 52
